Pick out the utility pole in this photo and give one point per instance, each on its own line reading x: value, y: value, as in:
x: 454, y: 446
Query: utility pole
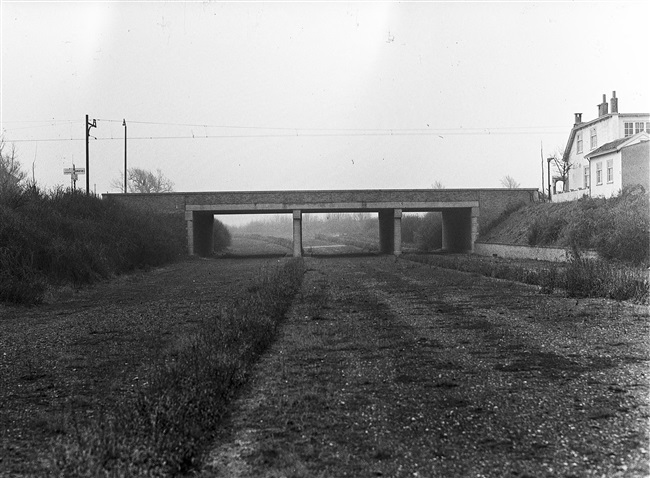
x: 88, y: 126
x: 541, y: 150
x: 124, y: 124
x: 549, y: 179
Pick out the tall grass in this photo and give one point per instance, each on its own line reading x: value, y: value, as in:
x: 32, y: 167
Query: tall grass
x: 618, y: 228
x: 577, y: 278
x: 163, y: 428
x: 598, y: 278
x: 66, y: 237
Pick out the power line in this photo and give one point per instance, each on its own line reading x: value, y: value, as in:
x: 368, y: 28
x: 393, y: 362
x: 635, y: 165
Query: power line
x: 303, y: 134
x: 289, y: 128
x: 295, y: 129
x: 286, y: 132
x: 39, y: 121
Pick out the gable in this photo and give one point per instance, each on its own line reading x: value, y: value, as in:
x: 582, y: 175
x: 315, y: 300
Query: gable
x: 617, y: 145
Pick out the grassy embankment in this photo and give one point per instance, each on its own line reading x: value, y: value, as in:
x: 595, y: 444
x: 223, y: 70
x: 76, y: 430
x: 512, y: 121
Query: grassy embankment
x: 66, y: 238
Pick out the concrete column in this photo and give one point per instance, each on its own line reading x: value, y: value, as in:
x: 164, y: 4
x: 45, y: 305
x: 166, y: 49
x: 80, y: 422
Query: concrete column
x: 189, y: 219
x: 457, y: 226
x: 297, y: 233
x: 203, y: 233
x: 474, y: 219
x: 387, y: 231
x: 397, y: 232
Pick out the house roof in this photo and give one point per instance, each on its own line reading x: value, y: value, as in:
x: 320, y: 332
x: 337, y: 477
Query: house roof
x: 579, y: 126
x: 618, y: 144
x: 587, y: 124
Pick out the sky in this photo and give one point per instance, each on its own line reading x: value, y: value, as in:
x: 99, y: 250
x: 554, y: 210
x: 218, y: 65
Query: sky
x: 251, y: 96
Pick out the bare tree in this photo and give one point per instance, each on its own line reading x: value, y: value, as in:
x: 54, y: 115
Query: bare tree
x: 562, y: 167
x: 509, y: 182
x: 11, y: 174
x: 144, y: 181
x: 437, y: 185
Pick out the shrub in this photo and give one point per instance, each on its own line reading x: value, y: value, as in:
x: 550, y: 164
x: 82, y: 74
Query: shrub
x: 410, y: 227
x: 221, y: 236
x: 67, y: 237
x: 617, y: 228
x: 429, y: 235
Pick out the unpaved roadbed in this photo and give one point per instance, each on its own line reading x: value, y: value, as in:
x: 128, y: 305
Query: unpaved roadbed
x: 392, y: 368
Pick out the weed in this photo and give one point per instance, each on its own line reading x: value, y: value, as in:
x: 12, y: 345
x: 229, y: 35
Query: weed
x: 597, y: 278
x: 164, y: 426
x: 579, y: 277
x: 545, y: 230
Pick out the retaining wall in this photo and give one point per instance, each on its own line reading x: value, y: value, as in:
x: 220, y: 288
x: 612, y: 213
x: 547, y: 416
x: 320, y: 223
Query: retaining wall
x: 511, y: 251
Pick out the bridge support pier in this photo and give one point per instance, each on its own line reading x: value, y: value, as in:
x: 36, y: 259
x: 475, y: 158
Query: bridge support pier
x: 390, y: 231
x: 297, y: 233
x: 200, y: 233
x: 459, y: 229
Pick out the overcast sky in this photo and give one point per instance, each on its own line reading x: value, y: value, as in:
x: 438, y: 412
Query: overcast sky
x: 267, y: 96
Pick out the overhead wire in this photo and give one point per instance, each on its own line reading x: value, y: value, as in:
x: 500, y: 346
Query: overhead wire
x: 286, y: 132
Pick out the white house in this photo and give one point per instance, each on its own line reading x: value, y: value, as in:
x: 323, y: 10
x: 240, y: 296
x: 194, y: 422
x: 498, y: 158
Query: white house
x: 602, y: 133
x: 619, y: 163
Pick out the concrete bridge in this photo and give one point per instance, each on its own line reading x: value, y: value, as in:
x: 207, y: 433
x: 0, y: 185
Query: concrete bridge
x: 465, y: 212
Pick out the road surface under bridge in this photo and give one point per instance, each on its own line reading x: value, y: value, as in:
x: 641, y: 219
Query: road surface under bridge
x: 465, y: 212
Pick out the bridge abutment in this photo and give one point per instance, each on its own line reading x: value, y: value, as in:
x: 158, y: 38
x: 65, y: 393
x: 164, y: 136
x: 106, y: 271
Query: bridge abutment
x: 459, y: 229
x: 200, y: 227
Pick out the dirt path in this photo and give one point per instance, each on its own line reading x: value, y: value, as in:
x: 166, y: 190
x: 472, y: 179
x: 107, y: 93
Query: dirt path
x: 392, y: 368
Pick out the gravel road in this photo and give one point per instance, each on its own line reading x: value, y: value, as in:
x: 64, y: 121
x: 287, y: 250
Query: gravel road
x: 387, y: 367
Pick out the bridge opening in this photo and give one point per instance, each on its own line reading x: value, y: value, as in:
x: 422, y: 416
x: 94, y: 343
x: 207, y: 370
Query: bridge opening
x: 422, y: 231
x: 332, y: 233
x: 257, y: 234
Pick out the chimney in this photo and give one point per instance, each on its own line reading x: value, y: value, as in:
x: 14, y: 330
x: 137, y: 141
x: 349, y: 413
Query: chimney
x: 614, y: 103
x: 602, y: 108
x: 578, y: 119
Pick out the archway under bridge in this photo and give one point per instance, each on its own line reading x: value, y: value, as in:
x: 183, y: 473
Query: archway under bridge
x: 464, y: 211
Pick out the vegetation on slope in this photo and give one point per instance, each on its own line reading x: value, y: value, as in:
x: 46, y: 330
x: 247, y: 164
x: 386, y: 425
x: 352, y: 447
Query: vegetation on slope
x: 67, y: 237
x: 617, y: 228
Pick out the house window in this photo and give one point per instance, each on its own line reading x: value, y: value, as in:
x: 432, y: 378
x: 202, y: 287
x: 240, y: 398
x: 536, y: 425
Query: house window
x: 594, y: 140
x: 579, y: 143
x: 638, y: 127
x: 629, y: 129
x: 586, y: 177
x: 610, y: 170
x: 599, y: 173
x: 647, y: 127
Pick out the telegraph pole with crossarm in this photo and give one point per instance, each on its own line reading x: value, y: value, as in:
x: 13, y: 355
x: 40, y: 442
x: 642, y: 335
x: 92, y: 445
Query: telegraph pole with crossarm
x: 88, y: 126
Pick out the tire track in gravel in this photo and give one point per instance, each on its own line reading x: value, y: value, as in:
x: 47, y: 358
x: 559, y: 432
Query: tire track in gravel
x: 389, y: 368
